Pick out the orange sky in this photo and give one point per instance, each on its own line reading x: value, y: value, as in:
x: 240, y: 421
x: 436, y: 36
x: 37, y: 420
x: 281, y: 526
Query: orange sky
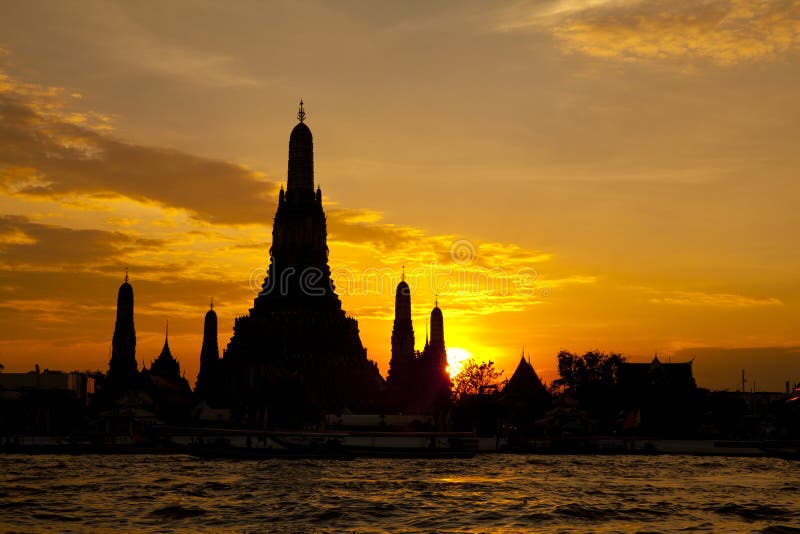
x: 621, y: 175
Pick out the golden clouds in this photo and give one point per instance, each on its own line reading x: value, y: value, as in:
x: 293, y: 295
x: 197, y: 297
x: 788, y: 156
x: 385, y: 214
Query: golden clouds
x: 699, y: 298
x: 722, y: 31
x: 48, y: 150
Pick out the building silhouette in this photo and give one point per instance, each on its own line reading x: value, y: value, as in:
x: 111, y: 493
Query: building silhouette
x: 435, y: 381
x: 209, y: 357
x: 418, y: 382
x: 662, y: 395
x: 524, y: 398
x: 296, y: 354
x: 165, y: 365
x: 122, y: 369
x: 165, y: 385
x: 401, y: 380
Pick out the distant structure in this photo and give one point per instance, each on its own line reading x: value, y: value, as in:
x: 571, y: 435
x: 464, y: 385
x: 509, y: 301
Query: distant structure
x: 662, y: 396
x: 166, y: 366
x: 524, y: 398
x: 123, y: 370
x: 209, y: 357
x: 296, y: 354
x: 436, y: 384
x: 525, y: 386
x: 639, y: 379
x: 417, y: 382
x: 164, y: 383
x: 401, y: 381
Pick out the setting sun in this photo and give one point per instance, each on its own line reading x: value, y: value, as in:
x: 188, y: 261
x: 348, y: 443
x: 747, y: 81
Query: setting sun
x: 456, y: 357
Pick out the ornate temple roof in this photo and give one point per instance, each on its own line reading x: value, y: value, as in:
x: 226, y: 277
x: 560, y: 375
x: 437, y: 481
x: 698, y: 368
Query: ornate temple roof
x: 166, y: 365
x: 524, y: 382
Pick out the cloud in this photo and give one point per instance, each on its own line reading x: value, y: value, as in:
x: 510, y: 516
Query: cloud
x: 722, y: 31
x: 698, y: 298
x: 46, y: 150
x: 544, y: 13
x: 27, y: 245
x: 129, y: 42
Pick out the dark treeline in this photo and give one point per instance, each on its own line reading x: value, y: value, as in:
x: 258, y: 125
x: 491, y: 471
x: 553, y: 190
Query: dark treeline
x: 596, y: 394
x: 604, y: 394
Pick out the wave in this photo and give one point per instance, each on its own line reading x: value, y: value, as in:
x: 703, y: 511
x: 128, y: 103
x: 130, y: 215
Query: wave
x: 176, y: 512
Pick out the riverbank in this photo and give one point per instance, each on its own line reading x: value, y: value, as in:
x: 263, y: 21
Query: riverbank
x: 222, y: 443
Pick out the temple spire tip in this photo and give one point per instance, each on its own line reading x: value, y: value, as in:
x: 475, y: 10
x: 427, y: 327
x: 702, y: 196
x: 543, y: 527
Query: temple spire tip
x: 301, y: 114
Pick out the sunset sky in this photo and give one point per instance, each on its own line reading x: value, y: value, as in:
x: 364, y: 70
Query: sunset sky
x: 613, y: 174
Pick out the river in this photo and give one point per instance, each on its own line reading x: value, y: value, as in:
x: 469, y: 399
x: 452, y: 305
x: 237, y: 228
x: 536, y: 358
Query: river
x: 488, y: 493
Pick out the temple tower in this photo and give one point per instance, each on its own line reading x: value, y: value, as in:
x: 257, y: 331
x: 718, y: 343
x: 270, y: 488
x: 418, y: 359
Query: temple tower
x: 209, y: 354
x: 403, y: 330
x: 299, y: 276
x: 300, y: 176
x: 437, y: 329
x: 297, y: 354
x: 435, y: 393
x: 122, y: 369
x: 401, y: 380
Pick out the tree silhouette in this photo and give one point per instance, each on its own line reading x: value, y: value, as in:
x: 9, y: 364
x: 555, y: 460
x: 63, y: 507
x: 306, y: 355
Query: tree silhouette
x: 592, y: 380
x: 591, y: 370
x: 475, y: 376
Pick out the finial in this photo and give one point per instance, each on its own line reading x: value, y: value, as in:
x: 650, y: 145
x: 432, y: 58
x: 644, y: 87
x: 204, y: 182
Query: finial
x: 404, y: 274
x: 437, y: 301
x: 126, y: 275
x: 212, y: 303
x: 301, y: 114
x: 166, y: 332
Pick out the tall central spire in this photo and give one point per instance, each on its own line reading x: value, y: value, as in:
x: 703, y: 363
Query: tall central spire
x: 300, y: 178
x: 296, y: 340
x: 299, y: 273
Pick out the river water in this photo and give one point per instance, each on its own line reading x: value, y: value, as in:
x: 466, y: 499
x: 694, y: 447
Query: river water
x: 488, y: 493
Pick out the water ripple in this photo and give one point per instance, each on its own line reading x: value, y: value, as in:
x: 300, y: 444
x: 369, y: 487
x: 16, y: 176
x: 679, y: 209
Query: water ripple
x: 513, y: 493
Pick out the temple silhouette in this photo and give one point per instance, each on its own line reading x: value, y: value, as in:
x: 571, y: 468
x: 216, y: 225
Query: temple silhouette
x: 295, y: 360
x: 122, y: 369
x: 296, y: 354
x: 418, y: 382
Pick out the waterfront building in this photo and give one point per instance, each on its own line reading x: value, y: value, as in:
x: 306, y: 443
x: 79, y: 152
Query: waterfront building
x: 296, y: 354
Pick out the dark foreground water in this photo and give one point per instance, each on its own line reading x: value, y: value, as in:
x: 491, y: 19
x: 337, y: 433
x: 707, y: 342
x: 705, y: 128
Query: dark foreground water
x: 491, y: 493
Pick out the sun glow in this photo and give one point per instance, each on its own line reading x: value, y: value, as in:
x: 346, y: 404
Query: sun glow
x: 456, y: 358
